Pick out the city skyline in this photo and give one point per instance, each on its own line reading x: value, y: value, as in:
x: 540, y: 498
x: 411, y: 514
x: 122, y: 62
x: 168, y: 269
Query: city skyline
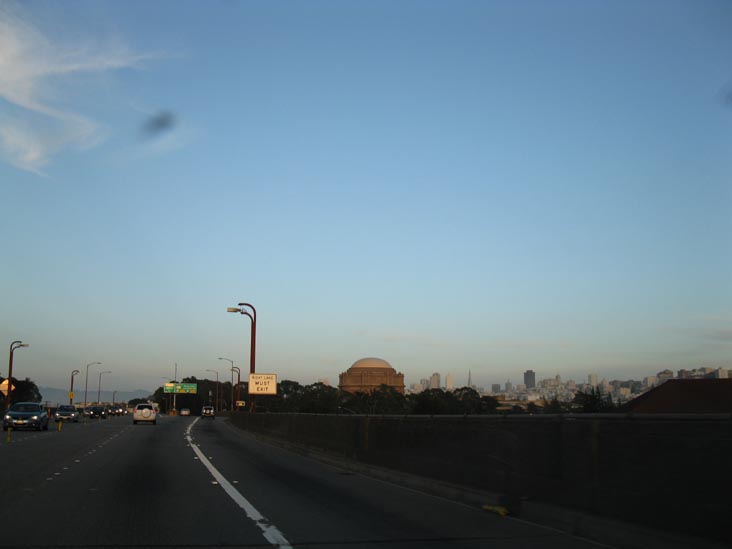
x: 485, y: 187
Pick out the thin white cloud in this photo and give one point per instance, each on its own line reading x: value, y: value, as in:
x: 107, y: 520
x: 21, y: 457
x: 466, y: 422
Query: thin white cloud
x: 33, y: 129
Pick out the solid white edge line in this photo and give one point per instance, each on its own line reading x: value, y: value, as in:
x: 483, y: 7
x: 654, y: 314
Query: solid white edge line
x: 271, y: 532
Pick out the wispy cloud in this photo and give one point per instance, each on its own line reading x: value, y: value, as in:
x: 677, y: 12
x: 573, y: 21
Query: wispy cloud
x: 34, y: 129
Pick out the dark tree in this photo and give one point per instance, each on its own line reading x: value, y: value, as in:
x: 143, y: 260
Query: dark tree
x: 430, y: 402
x: 488, y: 405
x: 24, y: 391
x: 593, y: 402
x: 553, y: 406
x: 468, y: 400
x: 319, y: 398
x: 387, y: 400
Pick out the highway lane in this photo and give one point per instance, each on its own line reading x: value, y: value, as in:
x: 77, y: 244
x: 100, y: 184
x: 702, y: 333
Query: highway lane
x: 110, y: 483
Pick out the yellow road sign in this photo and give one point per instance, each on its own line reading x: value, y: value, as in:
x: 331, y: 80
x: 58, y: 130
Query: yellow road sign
x: 4, y: 387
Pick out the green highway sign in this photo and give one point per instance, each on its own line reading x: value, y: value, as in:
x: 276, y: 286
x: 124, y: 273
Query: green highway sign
x: 181, y: 388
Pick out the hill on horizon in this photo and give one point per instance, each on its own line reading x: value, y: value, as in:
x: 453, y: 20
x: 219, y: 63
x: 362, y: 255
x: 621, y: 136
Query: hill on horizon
x: 61, y: 396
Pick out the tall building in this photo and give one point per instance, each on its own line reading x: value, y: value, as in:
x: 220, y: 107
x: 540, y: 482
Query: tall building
x: 449, y: 383
x: 509, y: 385
x: 649, y: 381
x: 664, y: 375
x: 592, y: 380
x: 435, y: 381
x: 530, y: 379
x: 496, y: 388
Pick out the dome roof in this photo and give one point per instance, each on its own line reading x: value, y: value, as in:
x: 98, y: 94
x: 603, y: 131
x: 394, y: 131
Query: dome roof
x: 371, y: 363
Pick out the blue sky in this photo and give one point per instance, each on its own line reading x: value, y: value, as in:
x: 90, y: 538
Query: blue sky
x: 450, y: 186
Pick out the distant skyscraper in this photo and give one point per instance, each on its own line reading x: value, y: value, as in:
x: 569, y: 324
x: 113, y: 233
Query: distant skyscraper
x: 496, y: 388
x: 649, y: 381
x: 449, y: 383
x: 530, y: 379
x: 435, y: 381
x: 509, y: 385
x: 664, y: 375
x: 470, y: 381
x: 592, y: 380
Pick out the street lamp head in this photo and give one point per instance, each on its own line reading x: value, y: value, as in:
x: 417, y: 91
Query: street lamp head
x: 233, y: 310
x: 24, y: 345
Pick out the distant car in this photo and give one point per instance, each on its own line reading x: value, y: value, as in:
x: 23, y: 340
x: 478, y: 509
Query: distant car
x: 208, y: 411
x: 146, y: 413
x: 97, y: 412
x: 185, y: 412
x: 24, y: 415
x: 66, y: 412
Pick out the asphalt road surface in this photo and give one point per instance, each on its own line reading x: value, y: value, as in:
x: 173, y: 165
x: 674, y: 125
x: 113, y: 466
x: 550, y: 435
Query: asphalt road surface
x: 190, y: 482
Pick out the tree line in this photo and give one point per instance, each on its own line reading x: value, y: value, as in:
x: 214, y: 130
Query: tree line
x: 318, y: 398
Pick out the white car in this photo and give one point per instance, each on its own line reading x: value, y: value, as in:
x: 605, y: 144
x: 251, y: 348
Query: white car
x: 185, y: 412
x: 144, y: 412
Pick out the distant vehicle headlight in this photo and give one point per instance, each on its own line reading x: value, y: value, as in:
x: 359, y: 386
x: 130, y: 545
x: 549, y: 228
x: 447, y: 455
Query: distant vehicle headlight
x: 8, y: 417
x: 34, y: 418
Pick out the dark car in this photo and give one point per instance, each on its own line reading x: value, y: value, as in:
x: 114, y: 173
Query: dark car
x: 26, y: 415
x: 97, y: 412
x: 66, y: 412
x: 208, y: 411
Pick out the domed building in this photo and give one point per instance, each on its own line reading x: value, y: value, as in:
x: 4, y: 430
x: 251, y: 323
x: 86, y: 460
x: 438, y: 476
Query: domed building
x: 368, y: 374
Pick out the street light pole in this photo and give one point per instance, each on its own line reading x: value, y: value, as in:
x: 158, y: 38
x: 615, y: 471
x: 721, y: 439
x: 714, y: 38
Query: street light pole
x: 253, y: 340
x: 99, y: 387
x: 238, y: 381
x: 86, y: 383
x: 175, y: 381
x: 217, y: 388
x: 167, y: 405
x: 14, y: 345
x: 71, y: 389
x: 232, y: 381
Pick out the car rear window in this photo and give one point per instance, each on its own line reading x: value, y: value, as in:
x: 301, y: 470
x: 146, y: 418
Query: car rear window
x: 144, y: 407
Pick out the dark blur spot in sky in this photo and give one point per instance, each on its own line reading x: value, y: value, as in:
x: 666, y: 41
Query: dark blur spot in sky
x: 159, y: 123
